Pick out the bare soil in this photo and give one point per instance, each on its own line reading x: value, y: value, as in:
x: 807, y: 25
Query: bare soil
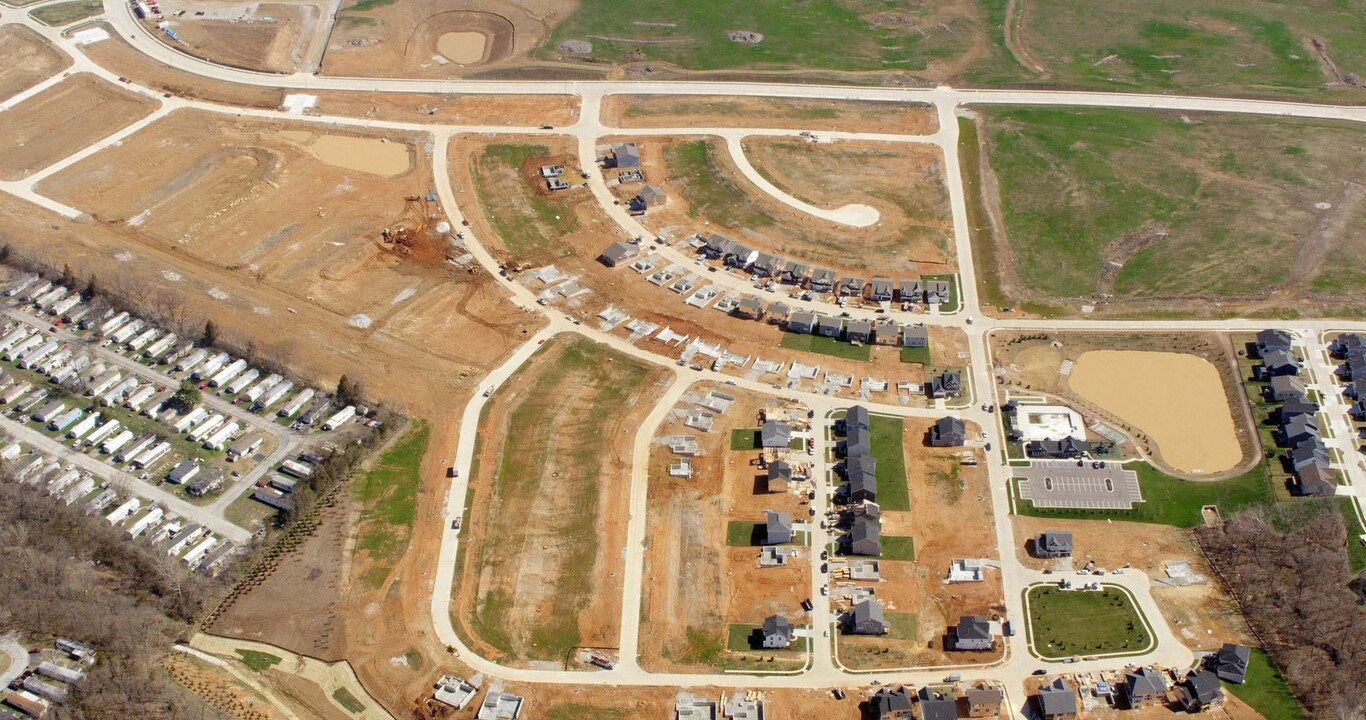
x: 247, y: 40
x: 62, y: 120
x: 507, y: 110
x: 26, y: 59
x: 219, y: 689
x: 651, y: 111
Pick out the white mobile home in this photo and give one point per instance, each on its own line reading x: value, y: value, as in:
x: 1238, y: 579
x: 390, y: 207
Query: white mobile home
x: 221, y: 436
x: 340, y: 418
x: 102, y: 432
x: 243, y: 380
x: 146, y: 522
x: 124, y: 511
x: 211, y: 366
x: 293, y: 406
x: 116, y: 442
x: 209, y: 424
x: 86, y: 424
x: 190, y: 419
x: 189, y: 362
x: 150, y: 456
x: 274, y: 395
x: 224, y: 376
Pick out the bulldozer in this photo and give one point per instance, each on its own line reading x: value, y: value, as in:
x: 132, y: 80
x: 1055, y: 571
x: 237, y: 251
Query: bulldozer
x: 413, y: 227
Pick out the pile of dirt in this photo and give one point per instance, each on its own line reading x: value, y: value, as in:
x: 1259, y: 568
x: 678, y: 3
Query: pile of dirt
x: 747, y: 37
x: 578, y: 47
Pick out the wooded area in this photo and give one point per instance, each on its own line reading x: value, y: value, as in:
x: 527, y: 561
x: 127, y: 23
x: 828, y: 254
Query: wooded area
x: 1289, y: 572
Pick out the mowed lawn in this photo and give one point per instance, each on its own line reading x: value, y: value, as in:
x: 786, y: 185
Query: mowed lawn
x: 527, y: 222
x: 542, y: 515
x: 827, y: 346
x: 888, y: 438
x: 1064, y: 623
x: 1266, y: 690
x: 387, y: 496
x: 1149, y: 205
x: 693, y: 33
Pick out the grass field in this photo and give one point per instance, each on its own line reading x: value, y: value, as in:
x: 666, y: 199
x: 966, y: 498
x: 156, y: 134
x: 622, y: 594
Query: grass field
x: 345, y: 699
x: 575, y: 711
x: 744, y: 439
x: 1183, y: 205
x: 1067, y: 623
x: 257, y: 660
x: 827, y: 346
x: 387, y: 496
x: 527, y: 222
x: 67, y: 12
x: 707, y: 184
x: 954, y: 302
x: 693, y: 34
x: 1266, y: 690
x: 917, y: 355
x: 898, y: 547
x: 1169, y: 501
x: 888, y: 434
x: 743, y: 533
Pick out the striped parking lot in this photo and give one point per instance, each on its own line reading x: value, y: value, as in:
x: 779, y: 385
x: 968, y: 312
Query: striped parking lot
x: 1065, y: 484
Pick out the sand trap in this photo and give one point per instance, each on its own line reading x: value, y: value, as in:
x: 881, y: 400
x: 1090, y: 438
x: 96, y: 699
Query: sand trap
x: 370, y: 155
x: 464, y: 48
x: 1176, y: 399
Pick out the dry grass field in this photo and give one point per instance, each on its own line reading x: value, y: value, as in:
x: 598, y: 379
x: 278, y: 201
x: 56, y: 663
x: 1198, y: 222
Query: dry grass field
x: 496, y: 110
x: 647, y: 111
x: 62, y: 120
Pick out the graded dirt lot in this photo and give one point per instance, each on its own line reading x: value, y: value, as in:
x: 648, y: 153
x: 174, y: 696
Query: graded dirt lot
x: 1165, y: 213
x: 509, y: 110
x: 218, y: 688
x: 242, y: 36
x: 649, y: 111
x: 26, y: 59
x: 1043, y: 364
x: 1175, y: 399
x: 542, y: 571
x: 62, y: 120
x: 698, y: 585
x: 708, y: 194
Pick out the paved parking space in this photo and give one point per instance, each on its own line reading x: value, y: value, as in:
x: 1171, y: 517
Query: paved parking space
x: 1064, y: 484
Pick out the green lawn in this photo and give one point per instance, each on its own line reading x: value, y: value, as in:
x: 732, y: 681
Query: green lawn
x: 67, y: 12
x: 888, y: 436
x: 984, y: 248
x: 347, y: 700
x: 707, y: 185
x: 898, y: 547
x: 529, y: 224
x: 743, y: 533
x: 955, y: 301
x: 919, y: 356
x: 1169, y: 501
x: 1266, y: 690
x: 827, y: 346
x: 744, y: 439
x: 1074, y: 623
x: 387, y: 496
x: 904, y: 624
x: 1356, y: 550
x: 258, y: 661
x: 575, y: 711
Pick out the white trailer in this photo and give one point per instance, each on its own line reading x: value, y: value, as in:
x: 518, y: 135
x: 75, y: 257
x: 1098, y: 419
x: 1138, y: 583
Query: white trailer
x: 293, y: 406
x: 50, y: 411
x: 340, y: 418
x: 38, y: 354
x: 54, y: 295
x: 56, y: 362
x: 190, y: 419
x: 273, y: 395
x: 196, y: 556
x: 160, y: 346
x: 211, y: 423
x: 124, y: 511
x: 224, y: 376
x: 62, y: 481
x: 65, y: 306
x: 191, y: 533
x: 245, y: 447
x: 140, y: 396
x: 117, y: 393
x: 116, y: 442
x: 79, y: 490
x: 243, y: 380
x: 20, y: 286
x: 23, y: 346
x: 211, y: 366
x: 86, y: 424
x: 158, y: 405
x: 14, y: 393
x: 135, y: 448
x: 260, y: 388
x: 190, y: 361
x: 297, y: 469
x: 146, y: 522
x: 14, y: 336
x: 112, y: 324
x: 126, y: 333
x: 11, y: 451
x: 66, y: 420
x: 104, y: 383
x: 150, y: 456
x: 34, y: 291
x: 141, y: 341
x: 221, y: 436
x: 102, y: 432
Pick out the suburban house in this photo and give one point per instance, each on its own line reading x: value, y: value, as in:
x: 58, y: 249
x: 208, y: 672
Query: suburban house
x: 648, y: 197
x: 751, y: 307
x: 984, y: 702
x: 779, y: 475
x: 1067, y: 448
x: 777, y: 632
x: 859, y: 331
x: 1298, y: 429
x: 1273, y: 341
x: 865, y: 537
x: 889, y: 704
x: 911, y: 291
x: 767, y: 265
x: 795, y: 273
x: 936, y: 292
x: 822, y: 280
x: 718, y: 246
x: 1355, y: 367
x: 936, y: 706
x: 851, y: 287
x: 777, y: 528
x: 946, y: 385
x: 625, y: 155
x: 740, y: 256
x: 778, y: 312
x: 857, y: 441
x: 1284, y: 387
x: 886, y: 333
x: 867, y: 619
x: 1145, y: 686
x: 1298, y: 406
x: 1309, y: 452
x: 1200, y: 691
x: 1315, y: 481
x: 856, y: 416
x: 829, y: 326
x: 915, y: 336
x: 1058, y: 701
x: 1053, y: 544
x: 948, y: 432
x: 618, y: 253
x: 1346, y: 344
x: 1230, y: 663
x: 802, y: 321
x: 972, y: 632
x: 861, y: 472
x: 774, y: 434
x: 881, y: 290
x: 1279, y: 362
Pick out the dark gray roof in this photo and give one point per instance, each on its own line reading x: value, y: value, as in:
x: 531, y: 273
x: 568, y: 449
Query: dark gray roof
x: 778, y: 625
x: 950, y: 428
x: 939, y: 709
x: 974, y: 627
x: 1145, y: 681
x: 1204, y: 686
x: 1058, y: 699
x: 856, y: 416
x: 888, y: 700
x: 1274, y: 339
x: 1230, y: 663
x: 859, y: 327
x: 775, y: 434
x: 866, y: 536
x: 1279, y: 358
x: 858, y: 441
x: 1055, y: 541
x: 777, y: 524
x: 868, y: 610
x: 620, y: 251
x: 779, y: 470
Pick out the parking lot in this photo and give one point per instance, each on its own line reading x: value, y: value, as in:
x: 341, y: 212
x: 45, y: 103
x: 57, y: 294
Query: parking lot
x: 1064, y: 484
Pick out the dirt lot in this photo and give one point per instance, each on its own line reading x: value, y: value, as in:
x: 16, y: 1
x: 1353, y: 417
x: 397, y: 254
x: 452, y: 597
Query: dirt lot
x: 240, y: 36
x: 1201, y: 615
x: 117, y: 56
x: 1031, y: 363
x: 542, y: 572
x: 569, y: 702
x: 220, y: 689
x: 26, y: 59
x: 950, y: 518
x: 511, y: 110
x: 649, y: 111
x: 697, y: 585
x: 708, y: 194
x: 62, y: 120
x: 400, y: 39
